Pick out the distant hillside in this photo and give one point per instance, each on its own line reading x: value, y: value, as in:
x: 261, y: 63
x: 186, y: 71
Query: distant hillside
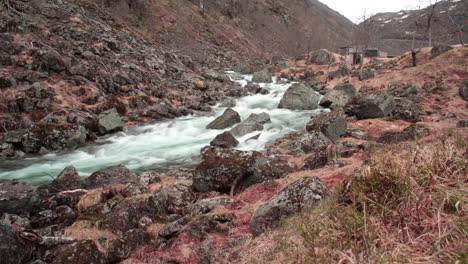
x: 289, y: 27
x: 396, y: 30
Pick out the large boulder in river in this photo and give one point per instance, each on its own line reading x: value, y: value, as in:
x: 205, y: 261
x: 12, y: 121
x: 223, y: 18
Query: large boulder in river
x: 321, y: 57
x: 300, y: 97
x: 262, y: 77
x: 303, y: 193
x: 109, y: 121
x: 16, y: 197
x: 464, y: 90
x: 253, y: 123
x: 375, y: 105
x: 332, y: 124
x: 340, y: 96
x: 224, y: 140
x: 12, y: 250
x: 110, y: 175
x: 227, y: 119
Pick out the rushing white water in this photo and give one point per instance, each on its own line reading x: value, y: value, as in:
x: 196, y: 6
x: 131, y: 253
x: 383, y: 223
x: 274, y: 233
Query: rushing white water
x: 170, y: 143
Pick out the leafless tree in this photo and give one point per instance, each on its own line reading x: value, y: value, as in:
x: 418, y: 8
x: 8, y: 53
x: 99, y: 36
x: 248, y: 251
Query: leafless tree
x: 365, y: 33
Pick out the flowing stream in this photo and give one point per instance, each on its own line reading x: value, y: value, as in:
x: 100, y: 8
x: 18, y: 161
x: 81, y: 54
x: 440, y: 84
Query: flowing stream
x: 172, y: 143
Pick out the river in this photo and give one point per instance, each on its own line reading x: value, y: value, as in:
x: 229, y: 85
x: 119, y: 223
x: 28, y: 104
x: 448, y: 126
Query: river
x: 172, y: 143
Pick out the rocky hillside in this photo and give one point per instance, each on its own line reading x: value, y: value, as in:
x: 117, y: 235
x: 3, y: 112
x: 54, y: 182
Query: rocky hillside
x: 234, y: 27
x: 395, y: 31
x: 328, y: 193
x: 85, y: 68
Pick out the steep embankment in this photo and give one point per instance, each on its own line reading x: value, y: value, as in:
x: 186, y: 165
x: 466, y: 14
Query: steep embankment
x: 395, y: 31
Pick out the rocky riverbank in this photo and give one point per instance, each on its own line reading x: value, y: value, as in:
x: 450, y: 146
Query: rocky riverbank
x: 233, y: 198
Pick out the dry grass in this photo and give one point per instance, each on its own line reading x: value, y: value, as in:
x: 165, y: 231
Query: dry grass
x: 408, y: 205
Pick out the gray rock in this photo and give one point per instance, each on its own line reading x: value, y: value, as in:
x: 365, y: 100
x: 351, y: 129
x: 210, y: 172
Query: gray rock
x: 411, y: 133
x: 110, y: 175
x: 224, y: 140
x: 300, y: 97
x: 17, y: 197
x: 109, y: 121
x: 407, y: 110
x: 439, y: 49
x: 227, y: 119
x: 372, y: 106
x: 332, y: 124
x: 462, y: 123
x: 126, y: 244
x: 321, y: 57
x: 314, y: 141
x: 316, y: 161
x: 340, y: 96
x: 253, y: 123
x: 262, y: 77
x: 68, y: 179
x: 463, y: 91
x: 82, y: 252
x: 303, y: 193
x: 12, y: 250
x: 366, y: 74
x: 220, y: 168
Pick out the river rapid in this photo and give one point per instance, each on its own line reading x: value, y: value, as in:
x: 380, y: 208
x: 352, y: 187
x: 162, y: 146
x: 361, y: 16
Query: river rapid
x: 167, y: 144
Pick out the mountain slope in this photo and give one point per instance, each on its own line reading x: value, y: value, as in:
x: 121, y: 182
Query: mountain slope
x: 396, y: 30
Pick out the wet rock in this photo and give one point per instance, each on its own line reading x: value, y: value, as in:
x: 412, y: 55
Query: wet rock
x: 321, y: 57
x: 108, y: 176
x: 243, y: 69
x: 12, y: 250
x: 410, y: 133
x: 126, y: 244
x: 303, y: 193
x: 68, y: 179
x: 220, y: 168
x: 262, y: 77
x: 17, y: 197
x: 253, y: 123
x: 227, y: 119
x: 340, y: 96
x: 463, y: 91
x: 332, y: 124
x: 52, y: 136
x: 316, y: 161
x: 372, y: 106
x: 439, y: 49
x: 253, y: 88
x: 300, y: 97
x: 109, y: 121
x: 224, y: 140
x: 82, y: 252
x: 6, y: 150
